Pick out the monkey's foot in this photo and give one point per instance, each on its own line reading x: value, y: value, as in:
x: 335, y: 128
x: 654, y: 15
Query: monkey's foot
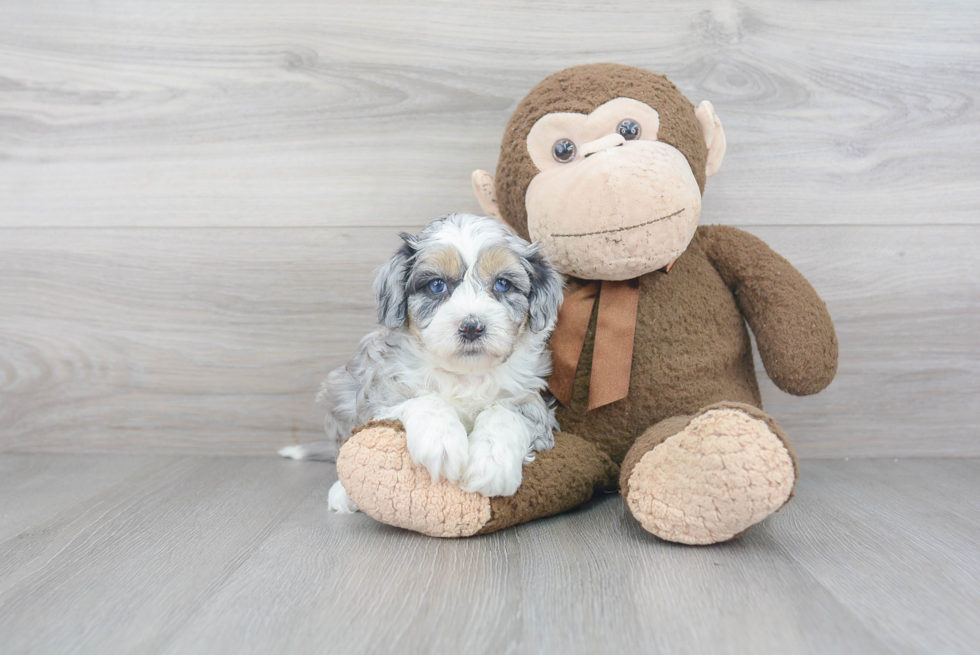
x: 379, y: 475
x: 709, y: 478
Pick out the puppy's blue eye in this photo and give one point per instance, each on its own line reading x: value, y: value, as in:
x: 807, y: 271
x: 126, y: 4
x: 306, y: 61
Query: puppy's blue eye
x: 437, y: 286
x: 501, y: 286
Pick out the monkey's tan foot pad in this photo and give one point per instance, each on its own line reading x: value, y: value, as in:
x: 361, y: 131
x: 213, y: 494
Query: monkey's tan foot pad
x: 378, y: 474
x: 724, y: 472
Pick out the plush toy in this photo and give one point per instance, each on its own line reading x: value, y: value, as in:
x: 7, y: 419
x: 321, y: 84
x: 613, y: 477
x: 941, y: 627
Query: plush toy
x: 605, y: 165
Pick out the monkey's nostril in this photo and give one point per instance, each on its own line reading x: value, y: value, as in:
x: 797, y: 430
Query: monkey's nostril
x: 471, y: 330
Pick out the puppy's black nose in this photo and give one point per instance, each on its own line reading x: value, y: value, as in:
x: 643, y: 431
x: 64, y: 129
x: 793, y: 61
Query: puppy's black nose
x: 471, y: 330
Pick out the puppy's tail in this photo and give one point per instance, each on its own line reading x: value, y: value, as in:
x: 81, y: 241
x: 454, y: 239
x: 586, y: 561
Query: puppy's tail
x: 320, y: 451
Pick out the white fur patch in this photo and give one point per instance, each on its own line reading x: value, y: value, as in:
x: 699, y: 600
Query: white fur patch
x: 338, y: 501
x: 436, y: 438
x: 499, y: 445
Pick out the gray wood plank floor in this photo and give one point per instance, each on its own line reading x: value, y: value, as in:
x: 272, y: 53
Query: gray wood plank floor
x: 166, y: 554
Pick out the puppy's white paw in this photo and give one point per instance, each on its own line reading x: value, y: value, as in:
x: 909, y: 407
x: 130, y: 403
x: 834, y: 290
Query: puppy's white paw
x: 293, y: 452
x: 339, y: 501
x: 318, y: 450
x: 499, y: 446
x: 435, y: 436
x: 441, y: 447
x: 493, y: 469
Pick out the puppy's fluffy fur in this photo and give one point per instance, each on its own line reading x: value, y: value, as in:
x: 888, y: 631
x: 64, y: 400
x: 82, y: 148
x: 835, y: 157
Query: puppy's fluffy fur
x: 461, y: 358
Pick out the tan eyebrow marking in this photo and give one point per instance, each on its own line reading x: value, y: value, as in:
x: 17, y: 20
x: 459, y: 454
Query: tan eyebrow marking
x: 446, y: 260
x: 494, y: 260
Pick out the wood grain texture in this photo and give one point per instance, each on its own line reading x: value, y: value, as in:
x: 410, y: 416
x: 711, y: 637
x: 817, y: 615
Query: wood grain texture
x: 193, y: 195
x: 43, y: 486
x: 126, y: 569
x: 180, y: 340
x: 240, y: 555
x: 374, y: 113
x: 589, y: 581
x: 859, y: 521
x: 214, y: 341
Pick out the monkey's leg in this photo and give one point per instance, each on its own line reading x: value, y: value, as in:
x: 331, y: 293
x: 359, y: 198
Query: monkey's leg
x: 379, y: 476
x: 709, y: 477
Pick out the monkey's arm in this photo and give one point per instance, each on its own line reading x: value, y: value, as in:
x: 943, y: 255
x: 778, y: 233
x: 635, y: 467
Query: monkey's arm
x: 792, y: 327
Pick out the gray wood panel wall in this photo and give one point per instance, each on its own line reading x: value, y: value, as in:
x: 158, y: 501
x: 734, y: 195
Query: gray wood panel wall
x: 193, y: 195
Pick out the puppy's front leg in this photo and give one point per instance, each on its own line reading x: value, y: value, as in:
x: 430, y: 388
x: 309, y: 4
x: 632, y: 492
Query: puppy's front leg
x: 435, y: 436
x: 499, y: 444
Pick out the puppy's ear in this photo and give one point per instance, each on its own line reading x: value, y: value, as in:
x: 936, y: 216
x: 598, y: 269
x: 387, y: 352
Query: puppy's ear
x: 547, y: 293
x: 390, y: 285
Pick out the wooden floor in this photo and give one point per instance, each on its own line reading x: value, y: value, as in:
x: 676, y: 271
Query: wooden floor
x: 167, y: 554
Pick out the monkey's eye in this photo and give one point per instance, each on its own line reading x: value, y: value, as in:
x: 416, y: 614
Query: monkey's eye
x: 437, y: 287
x: 501, y: 286
x: 563, y: 150
x: 629, y: 129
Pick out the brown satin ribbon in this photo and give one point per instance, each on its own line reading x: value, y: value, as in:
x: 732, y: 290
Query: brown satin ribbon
x: 613, y: 353
x: 569, y: 337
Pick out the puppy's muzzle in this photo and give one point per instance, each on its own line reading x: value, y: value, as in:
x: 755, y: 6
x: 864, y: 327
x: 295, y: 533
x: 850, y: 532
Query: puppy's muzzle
x: 472, y: 329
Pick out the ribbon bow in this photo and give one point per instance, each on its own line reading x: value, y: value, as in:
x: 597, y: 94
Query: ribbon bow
x: 612, y: 356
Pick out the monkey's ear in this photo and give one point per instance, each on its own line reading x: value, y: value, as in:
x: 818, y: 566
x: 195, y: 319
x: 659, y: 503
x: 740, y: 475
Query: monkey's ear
x: 714, y: 136
x: 486, y: 194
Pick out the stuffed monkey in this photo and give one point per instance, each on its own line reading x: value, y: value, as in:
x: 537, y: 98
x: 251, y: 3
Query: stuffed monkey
x: 604, y: 165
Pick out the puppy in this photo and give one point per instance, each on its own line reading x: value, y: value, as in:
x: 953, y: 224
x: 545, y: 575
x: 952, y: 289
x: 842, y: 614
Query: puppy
x: 461, y: 357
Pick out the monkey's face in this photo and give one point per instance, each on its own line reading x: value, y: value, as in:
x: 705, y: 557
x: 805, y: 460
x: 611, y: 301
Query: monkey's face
x: 610, y: 201
x: 604, y: 165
